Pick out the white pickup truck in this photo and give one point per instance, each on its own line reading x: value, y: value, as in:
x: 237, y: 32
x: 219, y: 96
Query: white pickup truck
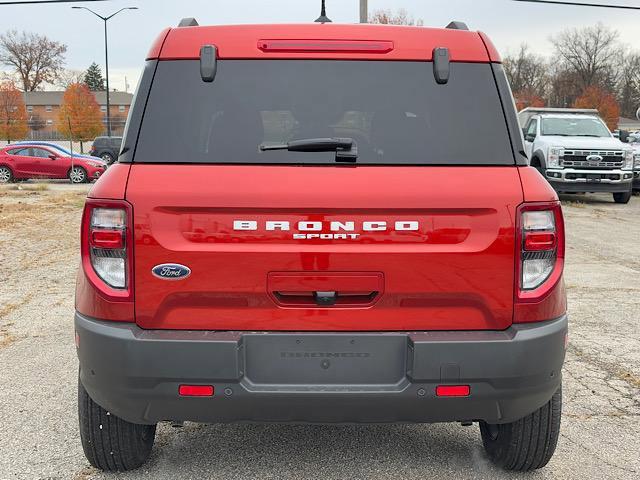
x: 575, y: 151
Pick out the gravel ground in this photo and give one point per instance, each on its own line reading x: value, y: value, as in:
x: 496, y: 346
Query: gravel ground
x: 38, y: 425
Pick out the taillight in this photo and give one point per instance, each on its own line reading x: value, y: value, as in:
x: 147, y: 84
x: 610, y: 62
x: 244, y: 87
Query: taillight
x: 541, y: 248
x: 107, y: 242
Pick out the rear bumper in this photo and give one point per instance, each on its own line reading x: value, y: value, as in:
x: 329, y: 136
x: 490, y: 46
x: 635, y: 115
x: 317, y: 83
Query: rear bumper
x: 323, y: 377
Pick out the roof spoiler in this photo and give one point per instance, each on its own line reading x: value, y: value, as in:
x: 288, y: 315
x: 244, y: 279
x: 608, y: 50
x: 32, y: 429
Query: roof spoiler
x: 455, y: 25
x: 188, y: 22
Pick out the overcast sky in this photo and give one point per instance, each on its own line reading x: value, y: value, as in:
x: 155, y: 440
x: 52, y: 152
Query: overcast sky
x: 507, y: 22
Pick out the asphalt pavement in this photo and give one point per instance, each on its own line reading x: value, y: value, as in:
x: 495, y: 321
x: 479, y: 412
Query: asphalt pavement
x: 39, y: 439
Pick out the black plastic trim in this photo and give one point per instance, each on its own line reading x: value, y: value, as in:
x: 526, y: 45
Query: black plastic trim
x: 138, y: 106
x: 188, y: 22
x: 456, y: 25
x: 441, y: 65
x: 583, y: 187
x: 320, y: 377
x: 208, y: 63
x: 509, y: 108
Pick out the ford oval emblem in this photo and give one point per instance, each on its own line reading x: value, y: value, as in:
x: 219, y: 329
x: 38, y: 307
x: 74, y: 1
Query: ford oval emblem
x: 171, y: 271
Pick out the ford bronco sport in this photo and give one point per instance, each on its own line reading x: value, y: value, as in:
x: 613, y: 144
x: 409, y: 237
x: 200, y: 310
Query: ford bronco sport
x: 296, y: 233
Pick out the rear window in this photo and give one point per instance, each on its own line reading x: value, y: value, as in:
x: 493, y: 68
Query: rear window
x: 394, y: 111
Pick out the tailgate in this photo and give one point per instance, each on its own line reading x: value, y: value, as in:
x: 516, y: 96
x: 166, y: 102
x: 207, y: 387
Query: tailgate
x: 325, y: 248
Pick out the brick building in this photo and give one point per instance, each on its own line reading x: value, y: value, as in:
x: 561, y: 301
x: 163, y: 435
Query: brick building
x: 43, y: 108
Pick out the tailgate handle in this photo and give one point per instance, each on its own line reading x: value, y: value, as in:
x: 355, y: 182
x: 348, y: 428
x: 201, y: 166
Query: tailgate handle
x: 320, y: 289
x: 325, y: 299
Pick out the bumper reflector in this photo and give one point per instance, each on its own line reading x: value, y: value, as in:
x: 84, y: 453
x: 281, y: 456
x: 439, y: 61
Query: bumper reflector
x: 453, y: 391
x: 195, y: 390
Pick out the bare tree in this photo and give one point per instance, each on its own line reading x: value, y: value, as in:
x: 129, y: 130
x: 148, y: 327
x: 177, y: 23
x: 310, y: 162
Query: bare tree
x: 527, y: 72
x: 34, y: 58
x: 401, y: 17
x: 69, y: 77
x: 591, y: 53
x: 629, y: 86
x: 563, y: 86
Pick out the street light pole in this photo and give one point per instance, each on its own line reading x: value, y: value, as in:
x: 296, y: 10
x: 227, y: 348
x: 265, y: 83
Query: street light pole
x: 364, y: 11
x: 106, y: 68
x: 106, y: 55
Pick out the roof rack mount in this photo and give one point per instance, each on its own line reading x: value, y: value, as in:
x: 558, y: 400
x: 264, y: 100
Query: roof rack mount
x: 188, y: 22
x: 456, y: 25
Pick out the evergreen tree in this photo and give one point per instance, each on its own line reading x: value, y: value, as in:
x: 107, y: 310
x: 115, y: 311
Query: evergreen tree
x: 93, y: 78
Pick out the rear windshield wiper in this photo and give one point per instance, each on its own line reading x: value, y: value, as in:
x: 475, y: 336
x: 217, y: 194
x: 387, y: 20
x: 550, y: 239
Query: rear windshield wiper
x: 345, y: 148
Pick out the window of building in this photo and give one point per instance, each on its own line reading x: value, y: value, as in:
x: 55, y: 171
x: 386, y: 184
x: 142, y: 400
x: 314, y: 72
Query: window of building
x: 103, y: 108
x: 29, y: 108
x: 121, y: 108
x: 49, y: 108
x: 49, y: 122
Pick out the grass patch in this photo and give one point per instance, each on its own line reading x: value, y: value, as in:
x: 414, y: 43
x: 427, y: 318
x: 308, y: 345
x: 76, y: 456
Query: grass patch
x: 32, y: 187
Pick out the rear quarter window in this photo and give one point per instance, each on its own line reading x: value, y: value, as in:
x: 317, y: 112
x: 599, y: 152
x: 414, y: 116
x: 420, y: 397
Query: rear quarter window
x: 395, y: 112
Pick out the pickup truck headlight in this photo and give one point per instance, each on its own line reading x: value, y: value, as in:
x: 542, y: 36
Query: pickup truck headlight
x: 628, y: 160
x: 636, y: 161
x: 553, y: 157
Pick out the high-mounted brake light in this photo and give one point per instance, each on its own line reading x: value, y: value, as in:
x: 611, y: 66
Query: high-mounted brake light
x: 107, y: 239
x: 349, y: 46
x: 541, y: 248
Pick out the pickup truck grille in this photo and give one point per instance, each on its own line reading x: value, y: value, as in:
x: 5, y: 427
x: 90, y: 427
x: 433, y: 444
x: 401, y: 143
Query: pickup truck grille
x: 578, y: 158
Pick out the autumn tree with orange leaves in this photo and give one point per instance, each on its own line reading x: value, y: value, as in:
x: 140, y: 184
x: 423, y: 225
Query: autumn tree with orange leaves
x: 79, y: 119
x: 603, y: 101
x: 13, y: 113
x: 527, y: 98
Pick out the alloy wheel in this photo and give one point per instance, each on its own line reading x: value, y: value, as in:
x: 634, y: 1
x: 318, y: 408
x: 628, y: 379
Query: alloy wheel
x: 77, y: 175
x: 5, y: 175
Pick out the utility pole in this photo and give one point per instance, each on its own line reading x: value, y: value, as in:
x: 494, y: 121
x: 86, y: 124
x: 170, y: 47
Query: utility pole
x: 364, y: 11
x: 106, y: 55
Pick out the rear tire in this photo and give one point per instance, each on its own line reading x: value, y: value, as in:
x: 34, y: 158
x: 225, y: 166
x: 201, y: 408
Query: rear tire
x: 6, y: 175
x: 622, y: 197
x: 111, y: 443
x: 526, y: 444
x: 107, y: 157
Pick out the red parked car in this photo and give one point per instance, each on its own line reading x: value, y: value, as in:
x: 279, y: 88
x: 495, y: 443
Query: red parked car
x: 24, y: 161
x: 297, y: 231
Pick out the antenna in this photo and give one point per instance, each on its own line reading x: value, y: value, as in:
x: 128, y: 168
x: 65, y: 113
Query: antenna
x: 323, y: 15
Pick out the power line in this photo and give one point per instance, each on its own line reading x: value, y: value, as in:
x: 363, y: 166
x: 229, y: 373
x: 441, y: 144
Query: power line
x: 35, y: 2
x: 581, y: 4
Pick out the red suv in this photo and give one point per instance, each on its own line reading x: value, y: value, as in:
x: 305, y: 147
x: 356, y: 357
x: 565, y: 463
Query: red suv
x: 24, y: 161
x: 299, y: 229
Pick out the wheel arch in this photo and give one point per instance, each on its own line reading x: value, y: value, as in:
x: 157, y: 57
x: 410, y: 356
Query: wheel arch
x: 538, y: 157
